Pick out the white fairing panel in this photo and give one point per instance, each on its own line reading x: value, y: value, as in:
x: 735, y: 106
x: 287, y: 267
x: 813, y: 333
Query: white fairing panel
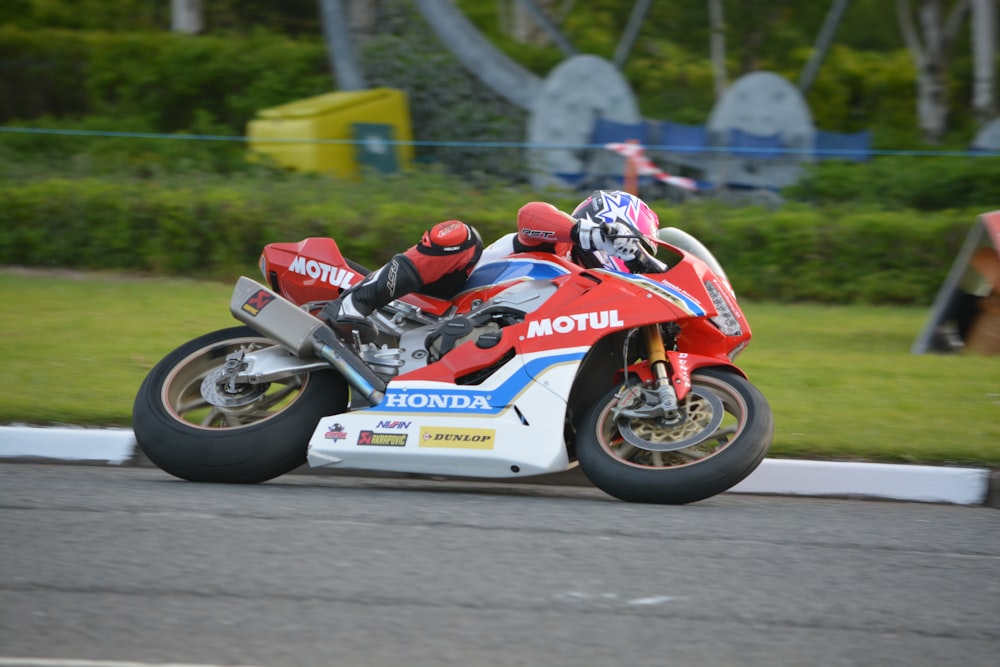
x: 509, y: 426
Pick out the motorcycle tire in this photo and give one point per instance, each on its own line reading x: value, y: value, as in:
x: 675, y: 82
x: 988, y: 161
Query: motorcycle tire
x: 264, y: 436
x: 726, y: 433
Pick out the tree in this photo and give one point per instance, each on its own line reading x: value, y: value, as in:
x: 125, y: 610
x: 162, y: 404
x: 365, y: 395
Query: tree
x: 717, y: 45
x: 340, y: 46
x: 984, y: 55
x: 930, y: 45
x: 186, y: 16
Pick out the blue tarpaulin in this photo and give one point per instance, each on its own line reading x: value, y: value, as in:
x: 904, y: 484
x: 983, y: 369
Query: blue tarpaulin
x: 838, y: 146
x: 755, y: 146
x: 609, y: 131
x: 680, y: 138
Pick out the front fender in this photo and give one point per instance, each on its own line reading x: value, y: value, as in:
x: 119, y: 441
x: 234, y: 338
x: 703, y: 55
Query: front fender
x: 683, y: 364
x: 680, y: 366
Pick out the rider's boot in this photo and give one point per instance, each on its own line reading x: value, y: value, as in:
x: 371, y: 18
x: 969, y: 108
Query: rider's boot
x: 349, y: 313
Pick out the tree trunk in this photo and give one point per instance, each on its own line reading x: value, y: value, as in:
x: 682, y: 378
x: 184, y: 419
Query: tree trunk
x: 535, y: 22
x: 984, y: 54
x: 186, y: 16
x: 340, y: 46
x: 718, y: 45
x: 929, y: 46
x: 363, y: 19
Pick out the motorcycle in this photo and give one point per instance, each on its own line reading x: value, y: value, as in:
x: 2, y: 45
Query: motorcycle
x: 535, y: 367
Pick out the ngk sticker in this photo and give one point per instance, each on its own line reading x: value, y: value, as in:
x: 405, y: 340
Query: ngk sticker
x: 322, y: 272
x: 564, y: 324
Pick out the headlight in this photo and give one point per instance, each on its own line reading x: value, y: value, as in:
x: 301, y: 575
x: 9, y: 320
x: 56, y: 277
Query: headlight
x: 725, y: 320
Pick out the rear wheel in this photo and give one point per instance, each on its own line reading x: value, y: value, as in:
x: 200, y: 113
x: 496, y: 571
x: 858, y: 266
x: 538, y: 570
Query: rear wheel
x: 195, y: 426
x: 724, y: 434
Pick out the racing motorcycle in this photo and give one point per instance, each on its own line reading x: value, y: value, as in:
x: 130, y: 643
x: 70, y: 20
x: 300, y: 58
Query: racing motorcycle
x: 536, y: 366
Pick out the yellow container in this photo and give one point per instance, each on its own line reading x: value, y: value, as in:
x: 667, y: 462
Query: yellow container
x: 292, y: 134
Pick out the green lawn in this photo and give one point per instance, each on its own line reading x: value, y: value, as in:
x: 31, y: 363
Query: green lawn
x: 841, y: 380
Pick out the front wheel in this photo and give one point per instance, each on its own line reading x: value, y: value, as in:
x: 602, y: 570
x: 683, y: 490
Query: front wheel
x: 725, y: 432
x: 193, y: 426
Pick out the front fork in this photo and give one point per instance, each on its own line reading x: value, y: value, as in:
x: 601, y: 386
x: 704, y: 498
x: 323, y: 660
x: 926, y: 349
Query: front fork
x: 658, y: 398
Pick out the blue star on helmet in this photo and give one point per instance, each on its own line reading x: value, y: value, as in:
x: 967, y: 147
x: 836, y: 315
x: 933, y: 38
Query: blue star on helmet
x: 617, y: 209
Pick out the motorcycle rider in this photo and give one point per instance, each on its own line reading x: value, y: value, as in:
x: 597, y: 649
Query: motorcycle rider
x: 606, y: 230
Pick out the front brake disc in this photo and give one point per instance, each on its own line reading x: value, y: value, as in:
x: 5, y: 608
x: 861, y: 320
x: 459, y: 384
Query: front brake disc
x: 703, y: 412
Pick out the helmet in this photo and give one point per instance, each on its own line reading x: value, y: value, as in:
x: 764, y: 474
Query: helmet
x: 618, y: 206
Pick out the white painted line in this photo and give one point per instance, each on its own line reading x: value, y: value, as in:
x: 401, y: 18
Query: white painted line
x: 654, y: 600
x: 60, y: 662
x: 67, y: 444
x: 931, y: 484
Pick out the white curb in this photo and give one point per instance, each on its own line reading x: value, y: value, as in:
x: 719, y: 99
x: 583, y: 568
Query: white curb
x: 111, y: 445
x: 929, y: 484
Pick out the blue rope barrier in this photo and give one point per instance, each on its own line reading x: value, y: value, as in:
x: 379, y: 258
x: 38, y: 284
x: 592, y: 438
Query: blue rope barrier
x: 729, y: 150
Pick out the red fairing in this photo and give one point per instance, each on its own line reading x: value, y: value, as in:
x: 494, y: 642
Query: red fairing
x: 310, y: 270
x: 588, y: 305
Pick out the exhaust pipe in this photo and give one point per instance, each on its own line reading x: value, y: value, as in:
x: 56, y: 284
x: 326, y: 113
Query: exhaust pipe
x: 304, y: 335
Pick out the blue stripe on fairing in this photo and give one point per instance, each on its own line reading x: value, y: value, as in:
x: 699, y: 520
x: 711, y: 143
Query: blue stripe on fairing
x: 501, y: 271
x: 398, y: 400
x: 694, y: 307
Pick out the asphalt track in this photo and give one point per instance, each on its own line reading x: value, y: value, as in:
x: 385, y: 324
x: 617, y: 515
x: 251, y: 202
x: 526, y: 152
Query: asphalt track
x: 124, y: 566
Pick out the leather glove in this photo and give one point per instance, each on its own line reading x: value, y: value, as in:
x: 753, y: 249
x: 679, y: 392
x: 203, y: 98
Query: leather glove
x: 614, y: 238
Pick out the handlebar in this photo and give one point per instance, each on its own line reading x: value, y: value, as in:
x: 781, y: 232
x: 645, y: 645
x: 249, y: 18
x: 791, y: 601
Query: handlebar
x: 647, y: 259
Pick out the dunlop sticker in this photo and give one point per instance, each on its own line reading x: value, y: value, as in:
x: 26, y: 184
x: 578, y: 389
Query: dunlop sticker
x: 457, y: 438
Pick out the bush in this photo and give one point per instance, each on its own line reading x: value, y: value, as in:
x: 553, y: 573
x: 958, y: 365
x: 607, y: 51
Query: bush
x: 209, y: 227
x: 830, y: 255
x: 901, y: 182
x: 212, y: 227
x: 169, y: 80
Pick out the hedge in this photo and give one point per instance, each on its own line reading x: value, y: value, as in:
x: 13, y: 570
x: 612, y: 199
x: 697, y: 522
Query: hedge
x: 215, y: 228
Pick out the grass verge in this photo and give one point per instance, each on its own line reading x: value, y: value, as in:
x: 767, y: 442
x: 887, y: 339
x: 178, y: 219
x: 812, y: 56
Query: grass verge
x: 841, y: 380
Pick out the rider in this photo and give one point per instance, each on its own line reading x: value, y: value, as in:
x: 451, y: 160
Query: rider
x: 607, y: 230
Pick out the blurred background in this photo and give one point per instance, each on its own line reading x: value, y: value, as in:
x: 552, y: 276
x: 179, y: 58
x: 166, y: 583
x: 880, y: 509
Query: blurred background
x: 841, y: 149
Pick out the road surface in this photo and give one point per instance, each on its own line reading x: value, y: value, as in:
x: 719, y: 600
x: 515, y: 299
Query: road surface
x: 129, y: 564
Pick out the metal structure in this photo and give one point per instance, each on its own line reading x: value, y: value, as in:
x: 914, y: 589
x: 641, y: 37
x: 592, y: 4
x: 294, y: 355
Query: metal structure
x: 337, y: 34
x: 988, y: 138
x: 584, y: 88
x: 573, y: 97
x: 479, y: 56
x: 759, y: 118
